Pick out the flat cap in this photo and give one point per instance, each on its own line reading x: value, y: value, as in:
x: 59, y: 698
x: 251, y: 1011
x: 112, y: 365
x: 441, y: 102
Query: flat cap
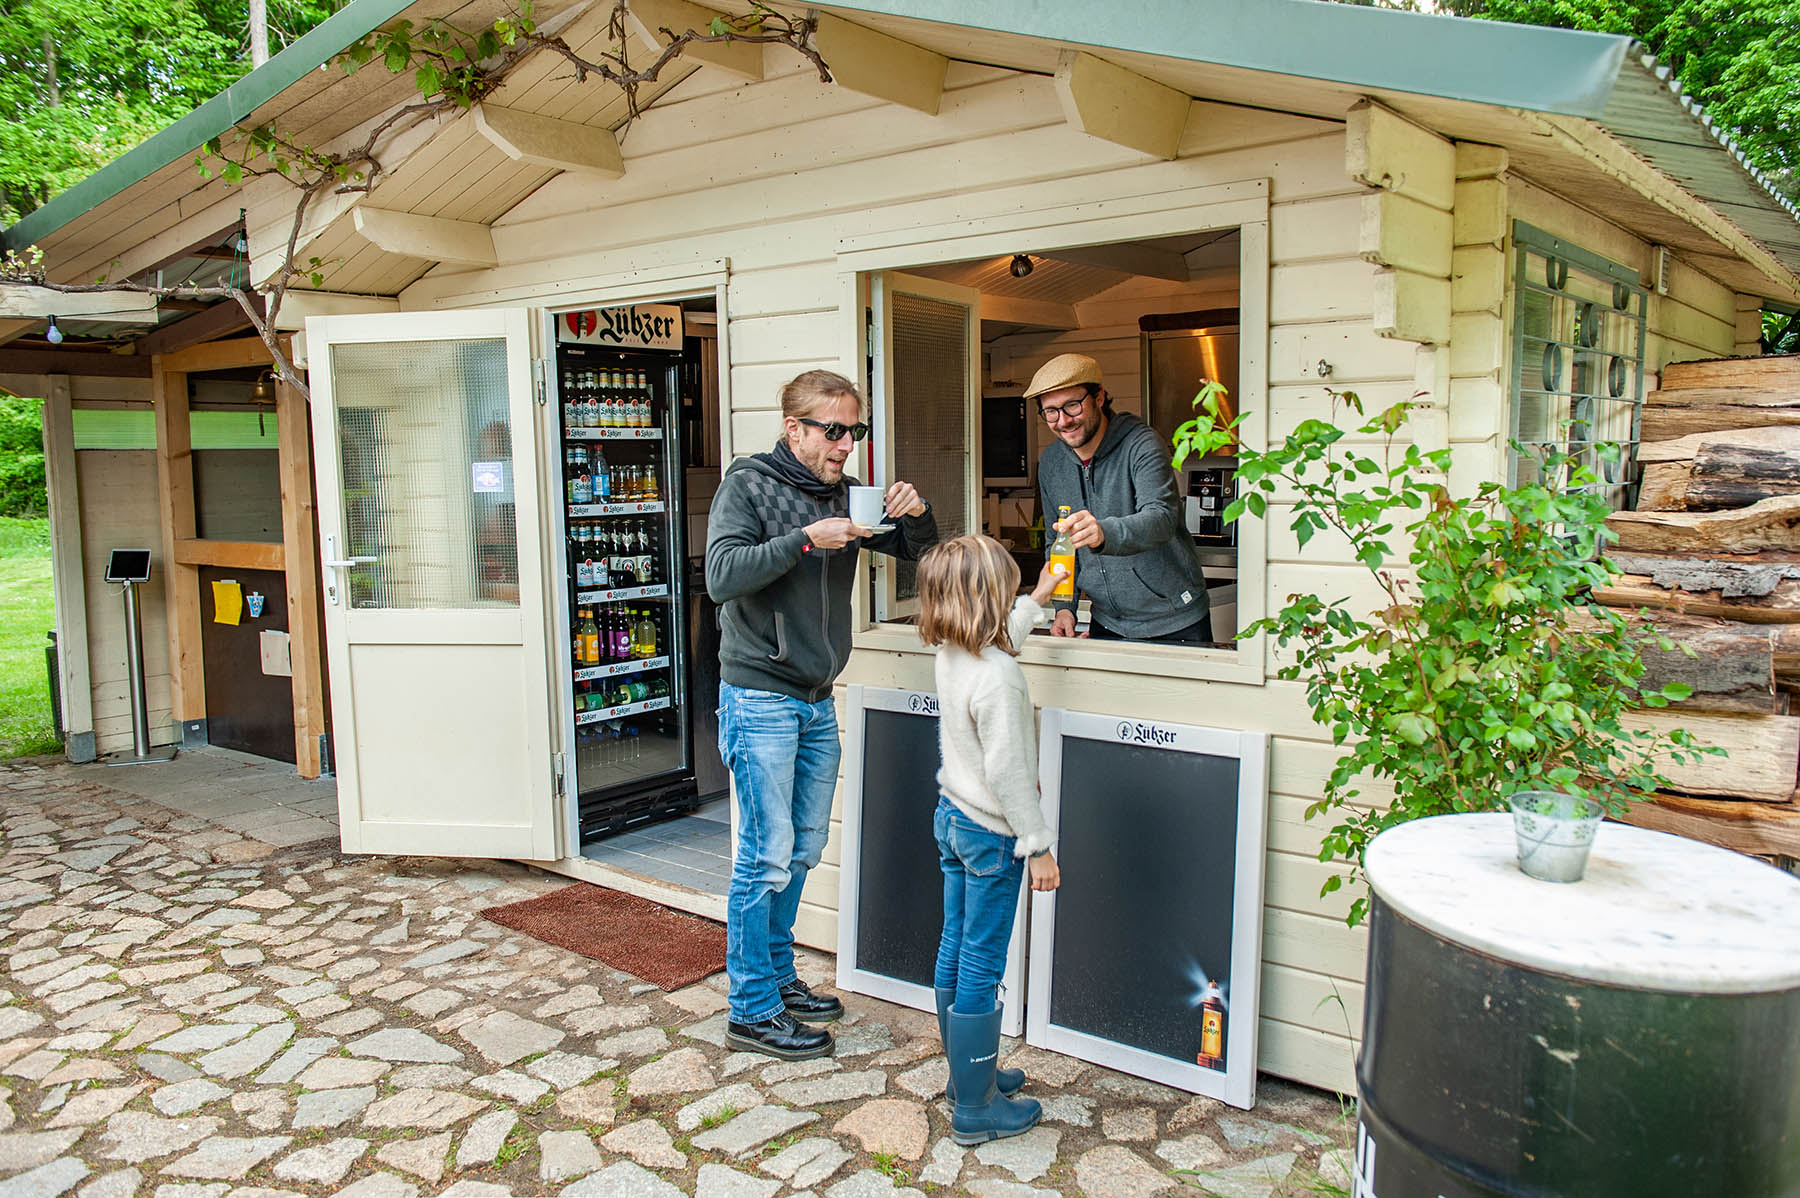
x: 1064, y: 370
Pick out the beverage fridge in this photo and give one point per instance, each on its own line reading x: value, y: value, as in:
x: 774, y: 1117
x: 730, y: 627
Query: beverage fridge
x: 625, y: 589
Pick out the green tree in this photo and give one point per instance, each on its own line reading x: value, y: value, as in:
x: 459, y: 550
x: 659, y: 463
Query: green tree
x: 1739, y: 58
x: 22, y: 457
x: 80, y: 84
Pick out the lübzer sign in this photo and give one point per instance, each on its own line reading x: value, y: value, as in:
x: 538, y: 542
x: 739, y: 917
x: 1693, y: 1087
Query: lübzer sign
x: 636, y: 326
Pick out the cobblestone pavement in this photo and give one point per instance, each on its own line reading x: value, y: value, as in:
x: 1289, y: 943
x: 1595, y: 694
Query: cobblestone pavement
x: 187, y: 1013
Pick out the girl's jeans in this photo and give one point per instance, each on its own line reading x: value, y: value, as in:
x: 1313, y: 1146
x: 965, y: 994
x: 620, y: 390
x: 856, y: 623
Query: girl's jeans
x: 981, y: 897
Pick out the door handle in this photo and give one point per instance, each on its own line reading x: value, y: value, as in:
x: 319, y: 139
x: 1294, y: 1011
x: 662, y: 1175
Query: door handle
x: 333, y: 562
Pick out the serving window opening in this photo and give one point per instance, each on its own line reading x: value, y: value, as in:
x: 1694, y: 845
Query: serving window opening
x: 1160, y: 316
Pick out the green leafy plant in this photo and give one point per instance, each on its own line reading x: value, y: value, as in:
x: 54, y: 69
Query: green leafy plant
x: 1485, y: 670
x: 1213, y: 427
x: 889, y: 1163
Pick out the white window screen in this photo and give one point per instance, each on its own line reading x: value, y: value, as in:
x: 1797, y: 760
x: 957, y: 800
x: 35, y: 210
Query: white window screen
x: 931, y: 404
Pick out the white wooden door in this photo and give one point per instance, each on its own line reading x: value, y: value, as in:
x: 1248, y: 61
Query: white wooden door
x: 927, y: 385
x: 431, y: 528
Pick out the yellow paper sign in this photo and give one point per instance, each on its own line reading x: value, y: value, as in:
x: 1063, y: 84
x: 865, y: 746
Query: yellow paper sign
x: 228, y: 601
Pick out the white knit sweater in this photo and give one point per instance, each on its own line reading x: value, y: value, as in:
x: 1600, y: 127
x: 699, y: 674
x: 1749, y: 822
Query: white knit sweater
x: 989, y: 737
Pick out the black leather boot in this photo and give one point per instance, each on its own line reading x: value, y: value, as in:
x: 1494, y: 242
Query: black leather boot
x: 783, y: 1036
x: 803, y: 1004
x: 1007, y: 1081
x: 980, y: 1112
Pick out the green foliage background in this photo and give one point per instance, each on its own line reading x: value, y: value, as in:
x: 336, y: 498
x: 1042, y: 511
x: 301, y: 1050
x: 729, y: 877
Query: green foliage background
x: 21, y: 457
x: 26, y: 725
x: 124, y: 69
x: 1739, y: 58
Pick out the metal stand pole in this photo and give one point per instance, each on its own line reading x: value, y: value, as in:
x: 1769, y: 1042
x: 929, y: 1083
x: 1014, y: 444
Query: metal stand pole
x: 141, y: 752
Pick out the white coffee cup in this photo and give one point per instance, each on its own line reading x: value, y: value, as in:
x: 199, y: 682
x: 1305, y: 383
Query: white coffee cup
x: 868, y: 506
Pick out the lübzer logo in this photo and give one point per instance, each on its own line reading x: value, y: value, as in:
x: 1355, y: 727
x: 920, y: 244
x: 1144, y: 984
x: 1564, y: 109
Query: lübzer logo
x: 922, y: 704
x: 1144, y: 734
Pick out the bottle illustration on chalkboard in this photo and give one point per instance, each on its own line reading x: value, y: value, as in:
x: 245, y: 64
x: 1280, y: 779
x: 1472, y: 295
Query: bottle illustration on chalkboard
x: 1212, y: 1028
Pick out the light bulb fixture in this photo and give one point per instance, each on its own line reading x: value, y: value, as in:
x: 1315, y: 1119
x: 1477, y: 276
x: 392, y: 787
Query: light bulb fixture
x: 53, y: 335
x: 1021, y: 265
x: 241, y: 244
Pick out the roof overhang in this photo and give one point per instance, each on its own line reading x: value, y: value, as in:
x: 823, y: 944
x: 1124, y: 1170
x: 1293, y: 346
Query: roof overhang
x: 1626, y: 142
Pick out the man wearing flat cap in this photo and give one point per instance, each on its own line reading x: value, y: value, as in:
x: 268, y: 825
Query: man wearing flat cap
x: 1134, y: 558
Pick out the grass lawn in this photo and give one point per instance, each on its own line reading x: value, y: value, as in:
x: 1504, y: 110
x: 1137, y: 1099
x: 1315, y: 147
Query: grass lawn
x: 27, y: 611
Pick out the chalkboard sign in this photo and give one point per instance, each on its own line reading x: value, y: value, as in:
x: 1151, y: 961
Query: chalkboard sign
x: 890, y: 890
x: 1148, y: 958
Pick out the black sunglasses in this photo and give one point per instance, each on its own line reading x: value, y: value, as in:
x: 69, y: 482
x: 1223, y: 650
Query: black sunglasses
x: 835, y: 431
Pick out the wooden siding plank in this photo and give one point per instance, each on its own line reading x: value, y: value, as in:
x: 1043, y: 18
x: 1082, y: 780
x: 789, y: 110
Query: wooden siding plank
x: 306, y: 646
x: 181, y: 583
x: 67, y: 578
x: 240, y: 555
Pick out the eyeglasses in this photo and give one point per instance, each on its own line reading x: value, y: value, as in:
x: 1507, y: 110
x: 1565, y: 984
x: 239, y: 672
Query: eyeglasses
x: 1067, y: 411
x: 835, y: 431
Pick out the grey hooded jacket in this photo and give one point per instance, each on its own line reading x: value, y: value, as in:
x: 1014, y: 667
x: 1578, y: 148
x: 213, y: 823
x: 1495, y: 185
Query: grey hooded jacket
x: 1145, y: 581
x: 784, y: 608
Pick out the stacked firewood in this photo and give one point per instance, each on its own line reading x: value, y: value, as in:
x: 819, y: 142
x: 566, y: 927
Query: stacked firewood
x: 1712, y: 555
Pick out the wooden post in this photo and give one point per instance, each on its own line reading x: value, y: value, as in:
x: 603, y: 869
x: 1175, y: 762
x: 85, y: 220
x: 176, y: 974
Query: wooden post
x: 67, y: 574
x: 181, y: 583
x: 300, y: 542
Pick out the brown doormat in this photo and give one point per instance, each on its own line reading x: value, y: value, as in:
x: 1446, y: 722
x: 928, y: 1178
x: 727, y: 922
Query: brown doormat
x: 670, y: 949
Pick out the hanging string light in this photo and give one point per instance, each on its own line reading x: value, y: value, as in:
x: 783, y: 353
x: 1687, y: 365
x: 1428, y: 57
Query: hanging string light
x: 53, y: 335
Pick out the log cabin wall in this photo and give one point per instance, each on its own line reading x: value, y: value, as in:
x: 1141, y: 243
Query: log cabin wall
x: 769, y: 181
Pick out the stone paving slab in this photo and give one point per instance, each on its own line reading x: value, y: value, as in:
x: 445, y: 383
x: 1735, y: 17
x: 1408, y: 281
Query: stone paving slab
x: 187, y: 1011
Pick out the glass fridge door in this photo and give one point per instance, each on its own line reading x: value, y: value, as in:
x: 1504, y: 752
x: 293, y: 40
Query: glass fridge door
x: 622, y: 491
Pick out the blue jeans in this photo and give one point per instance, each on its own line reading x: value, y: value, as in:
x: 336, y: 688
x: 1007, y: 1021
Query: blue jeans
x: 981, y: 897
x: 783, y: 756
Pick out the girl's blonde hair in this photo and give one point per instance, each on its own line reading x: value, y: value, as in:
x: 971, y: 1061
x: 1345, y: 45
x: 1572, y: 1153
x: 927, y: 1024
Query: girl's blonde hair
x: 966, y: 589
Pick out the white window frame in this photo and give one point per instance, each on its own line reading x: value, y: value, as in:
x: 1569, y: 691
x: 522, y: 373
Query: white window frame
x: 1004, y: 229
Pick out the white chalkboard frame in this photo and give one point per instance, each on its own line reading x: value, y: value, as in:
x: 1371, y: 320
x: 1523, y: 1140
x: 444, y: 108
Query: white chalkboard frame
x: 1237, y: 1084
x: 852, y: 977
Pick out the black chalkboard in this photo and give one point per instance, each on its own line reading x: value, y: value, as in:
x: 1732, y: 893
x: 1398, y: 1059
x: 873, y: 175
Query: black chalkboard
x: 1147, y: 843
x: 900, y: 892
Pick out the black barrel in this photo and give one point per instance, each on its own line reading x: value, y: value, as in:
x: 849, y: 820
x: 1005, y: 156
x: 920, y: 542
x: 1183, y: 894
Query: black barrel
x: 1634, y: 1034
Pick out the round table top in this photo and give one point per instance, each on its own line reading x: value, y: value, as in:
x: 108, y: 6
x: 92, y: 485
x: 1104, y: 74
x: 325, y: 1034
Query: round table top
x: 1655, y: 911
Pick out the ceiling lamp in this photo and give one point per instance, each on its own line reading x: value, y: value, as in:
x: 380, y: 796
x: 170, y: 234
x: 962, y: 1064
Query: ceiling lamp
x: 1021, y: 265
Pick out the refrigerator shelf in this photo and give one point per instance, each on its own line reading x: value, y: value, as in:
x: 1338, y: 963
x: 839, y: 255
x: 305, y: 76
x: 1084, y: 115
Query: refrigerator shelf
x: 615, y: 509
x: 598, y: 714
x: 615, y: 593
x: 613, y: 434
x: 636, y: 665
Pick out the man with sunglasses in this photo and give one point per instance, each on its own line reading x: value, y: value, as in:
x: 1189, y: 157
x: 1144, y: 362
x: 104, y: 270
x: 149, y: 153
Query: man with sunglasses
x: 781, y: 558
x: 1134, y: 558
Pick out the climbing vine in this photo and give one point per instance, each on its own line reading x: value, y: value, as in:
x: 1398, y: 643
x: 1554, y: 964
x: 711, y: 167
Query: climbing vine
x: 453, y: 68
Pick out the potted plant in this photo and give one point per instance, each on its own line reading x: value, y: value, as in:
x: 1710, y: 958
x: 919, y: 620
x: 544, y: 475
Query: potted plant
x: 1486, y: 672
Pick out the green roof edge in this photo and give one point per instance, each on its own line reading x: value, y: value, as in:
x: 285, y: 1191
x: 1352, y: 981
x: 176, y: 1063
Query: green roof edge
x: 1534, y: 67
x: 208, y: 121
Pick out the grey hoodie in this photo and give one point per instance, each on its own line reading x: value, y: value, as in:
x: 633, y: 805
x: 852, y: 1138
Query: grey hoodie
x: 784, y: 609
x: 1145, y: 581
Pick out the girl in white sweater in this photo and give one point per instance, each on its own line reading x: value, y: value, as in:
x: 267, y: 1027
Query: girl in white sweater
x: 989, y: 826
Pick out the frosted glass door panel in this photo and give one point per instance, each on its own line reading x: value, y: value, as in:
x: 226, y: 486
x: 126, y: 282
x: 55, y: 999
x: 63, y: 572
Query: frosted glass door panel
x: 425, y: 448
x: 435, y: 638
